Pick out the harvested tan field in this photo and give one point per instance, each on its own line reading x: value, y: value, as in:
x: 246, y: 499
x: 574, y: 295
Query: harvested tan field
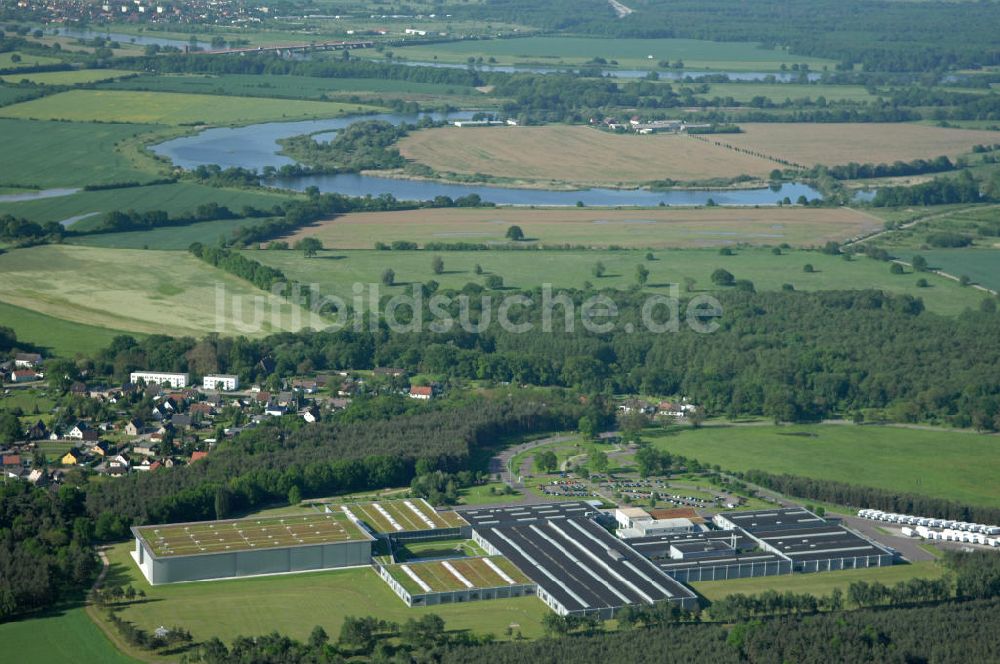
x: 577, y: 154
x: 654, y: 227
x: 835, y: 144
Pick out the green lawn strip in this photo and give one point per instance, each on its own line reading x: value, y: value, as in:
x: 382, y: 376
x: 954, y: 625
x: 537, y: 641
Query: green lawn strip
x: 66, y: 635
x: 820, y: 583
x: 292, y: 604
x: 270, y: 85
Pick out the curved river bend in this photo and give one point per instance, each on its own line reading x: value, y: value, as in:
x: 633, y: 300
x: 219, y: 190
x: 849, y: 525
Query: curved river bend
x: 256, y: 147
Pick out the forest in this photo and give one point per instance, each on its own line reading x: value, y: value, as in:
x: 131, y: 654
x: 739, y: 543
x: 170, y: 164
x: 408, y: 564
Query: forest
x: 867, y: 350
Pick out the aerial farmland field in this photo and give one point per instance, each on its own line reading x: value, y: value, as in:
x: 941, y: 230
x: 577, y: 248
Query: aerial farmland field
x: 638, y: 53
x: 576, y: 154
x: 596, y: 227
x: 957, y: 465
x: 833, y: 144
x: 66, y: 154
x: 72, y: 77
x: 170, y: 108
x: 148, y: 292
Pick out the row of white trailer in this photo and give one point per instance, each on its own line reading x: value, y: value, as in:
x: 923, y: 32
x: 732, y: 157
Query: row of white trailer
x: 949, y: 535
x: 927, y: 522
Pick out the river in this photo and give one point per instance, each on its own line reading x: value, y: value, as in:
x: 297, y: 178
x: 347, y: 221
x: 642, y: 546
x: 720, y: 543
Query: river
x: 256, y: 147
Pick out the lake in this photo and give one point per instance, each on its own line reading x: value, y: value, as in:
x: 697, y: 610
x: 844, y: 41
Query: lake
x: 256, y: 147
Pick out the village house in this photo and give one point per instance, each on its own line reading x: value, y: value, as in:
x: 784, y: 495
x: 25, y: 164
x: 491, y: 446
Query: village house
x: 72, y: 458
x: 133, y: 428
x: 38, y: 431
x: 422, y: 392
x: 24, y: 376
x: 311, y: 414
x: 27, y: 360
x: 81, y: 431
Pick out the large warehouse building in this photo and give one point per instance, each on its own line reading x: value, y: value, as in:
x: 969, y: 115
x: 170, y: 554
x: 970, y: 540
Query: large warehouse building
x: 249, y: 547
x: 578, y: 566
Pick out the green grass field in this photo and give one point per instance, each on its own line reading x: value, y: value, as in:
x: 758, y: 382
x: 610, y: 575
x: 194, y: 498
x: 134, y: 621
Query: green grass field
x: 980, y: 265
x: 171, y: 108
x: 819, y: 584
x: 337, y: 271
x: 175, y: 238
x: 293, y: 604
x: 960, y: 466
x: 574, y: 51
x: 73, y: 77
x: 292, y: 87
x: 10, y: 94
x: 176, y: 199
x: 64, y: 154
x: 56, y: 335
x: 64, y: 636
x: 27, y: 60
x: 778, y: 92
x: 137, y: 291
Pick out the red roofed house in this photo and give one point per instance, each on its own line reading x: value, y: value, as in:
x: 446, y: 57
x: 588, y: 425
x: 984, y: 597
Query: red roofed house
x: 421, y: 392
x: 198, y: 455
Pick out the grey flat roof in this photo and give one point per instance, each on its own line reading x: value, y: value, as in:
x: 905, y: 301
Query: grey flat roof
x: 528, y: 513
x: 580, y: 564
x: 747, y: 549
x: 819, y: 543
x: 788, y: 517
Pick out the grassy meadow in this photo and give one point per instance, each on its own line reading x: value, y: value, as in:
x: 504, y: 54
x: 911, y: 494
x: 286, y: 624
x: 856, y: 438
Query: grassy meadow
x: 293, y: 604
x: 629, y: 53
x: 956, y: 465
x: 291, y: 87
x: 982, y: 266
x: 56, y: 335
x: 336, y: 271
x: 177, y: 198
x: 171, y: 238
x: 658, y: 227
x: 65, y: 154
x: 170, y: 108
x: 152, y: 292
x: 576, y: 154
x: 7, y: 60
x: 66, y: 635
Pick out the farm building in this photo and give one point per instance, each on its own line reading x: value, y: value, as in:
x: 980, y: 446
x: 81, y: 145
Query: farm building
x: 220, y: 382
x: 174, y: 380
x: 249, y: 547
